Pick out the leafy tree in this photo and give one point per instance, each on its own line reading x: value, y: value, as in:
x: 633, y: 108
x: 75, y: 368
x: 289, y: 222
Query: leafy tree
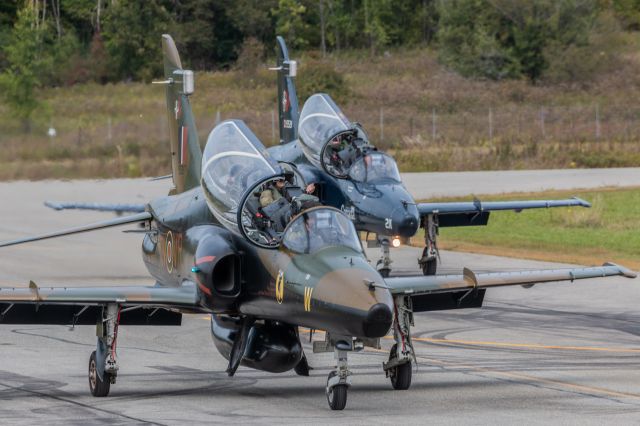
x: 131, y: 31
x: 28, y: 60
x: 628, y: 12
x: 255, y: 18
x: 8, y: 13
x: 195, y: 31
x: 511, y: 38
x: 290, y: 22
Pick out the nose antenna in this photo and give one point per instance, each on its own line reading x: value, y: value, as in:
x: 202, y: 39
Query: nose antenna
x: 372, y: 285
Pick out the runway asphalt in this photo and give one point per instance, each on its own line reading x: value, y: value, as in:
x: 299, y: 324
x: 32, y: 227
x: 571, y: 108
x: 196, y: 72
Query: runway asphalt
x: 557, y: 353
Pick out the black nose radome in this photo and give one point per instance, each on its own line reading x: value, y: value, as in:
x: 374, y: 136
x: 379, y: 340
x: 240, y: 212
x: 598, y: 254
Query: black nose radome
x: 408, y: 226
x: 378, y: 321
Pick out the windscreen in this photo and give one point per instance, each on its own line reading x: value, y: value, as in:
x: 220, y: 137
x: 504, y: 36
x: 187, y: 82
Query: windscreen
x: 318, y: 228
x: 320, y: 119
x: 374, y: 167
x: 233, y: 160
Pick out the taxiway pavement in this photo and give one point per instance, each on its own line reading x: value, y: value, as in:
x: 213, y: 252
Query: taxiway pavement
x: 556, y: 353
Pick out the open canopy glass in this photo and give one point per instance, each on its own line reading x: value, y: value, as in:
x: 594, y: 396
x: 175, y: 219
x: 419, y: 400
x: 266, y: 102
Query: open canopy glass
x: 328, y: 139
x: 233, y: 161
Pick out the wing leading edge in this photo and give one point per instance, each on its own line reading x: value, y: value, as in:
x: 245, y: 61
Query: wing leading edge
x: 119, y: 208
x: 124, y: 220
x: 82, y: 305
x: 476, y: 213
x: 418, y: 285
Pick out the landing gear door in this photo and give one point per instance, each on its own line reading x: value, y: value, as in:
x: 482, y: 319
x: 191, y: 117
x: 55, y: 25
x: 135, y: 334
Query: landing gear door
x: 233, y: 161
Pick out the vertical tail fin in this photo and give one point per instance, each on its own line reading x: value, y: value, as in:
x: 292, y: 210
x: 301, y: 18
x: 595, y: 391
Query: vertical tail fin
x: 288, y: 112
x: 186, y: 155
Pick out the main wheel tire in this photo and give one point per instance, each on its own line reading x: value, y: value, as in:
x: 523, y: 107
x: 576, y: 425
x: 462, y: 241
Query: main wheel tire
x: 384, y: 272
x: 98, y: 387
x: 337, y: 395
x: 430, y: 267
x: 401, y: 379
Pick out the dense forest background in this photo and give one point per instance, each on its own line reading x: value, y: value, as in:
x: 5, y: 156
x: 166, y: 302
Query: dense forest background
x: 63, y: 42
x: 476, y: 84
x: 109, y: 40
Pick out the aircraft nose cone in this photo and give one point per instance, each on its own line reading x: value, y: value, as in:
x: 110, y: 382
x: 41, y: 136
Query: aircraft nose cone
x: 408, y: 226
x: 406, y: 221
x: 378, y: 321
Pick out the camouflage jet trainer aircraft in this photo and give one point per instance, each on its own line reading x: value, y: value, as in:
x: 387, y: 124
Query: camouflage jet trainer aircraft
x: 324, y: 147
x: 261, y: 271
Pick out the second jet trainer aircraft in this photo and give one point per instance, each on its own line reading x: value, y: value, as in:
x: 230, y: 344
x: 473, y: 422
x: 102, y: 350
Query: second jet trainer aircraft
x: 325, y: 148
x: 260, y: 269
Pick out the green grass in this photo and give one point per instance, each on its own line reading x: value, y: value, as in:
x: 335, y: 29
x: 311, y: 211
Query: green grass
x: 408, y: 84
x: 609, y: 231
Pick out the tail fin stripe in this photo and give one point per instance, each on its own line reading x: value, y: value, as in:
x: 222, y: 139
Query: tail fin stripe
x: 184, y: 143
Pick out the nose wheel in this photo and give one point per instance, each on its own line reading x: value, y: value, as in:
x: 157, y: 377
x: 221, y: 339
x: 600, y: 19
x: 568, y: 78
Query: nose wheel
x: 339, y: 380
x: 336, y: 394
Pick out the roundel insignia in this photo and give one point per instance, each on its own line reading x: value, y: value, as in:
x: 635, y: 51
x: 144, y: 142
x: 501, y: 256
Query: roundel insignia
x: 280, y: 287
x: 169, y: 252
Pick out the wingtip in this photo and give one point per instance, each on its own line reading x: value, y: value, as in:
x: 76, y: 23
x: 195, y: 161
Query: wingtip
x: 52, y: 205
x: 582, y: 202
x: 623, y: 271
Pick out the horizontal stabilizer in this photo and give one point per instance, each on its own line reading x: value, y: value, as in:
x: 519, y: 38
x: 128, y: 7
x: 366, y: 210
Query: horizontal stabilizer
x: 469, y: 280
x: 140, y: 217
x: 102, y: 207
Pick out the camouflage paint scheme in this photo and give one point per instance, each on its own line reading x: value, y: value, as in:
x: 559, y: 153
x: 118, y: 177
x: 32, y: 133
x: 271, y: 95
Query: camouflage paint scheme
x: 257, y: 296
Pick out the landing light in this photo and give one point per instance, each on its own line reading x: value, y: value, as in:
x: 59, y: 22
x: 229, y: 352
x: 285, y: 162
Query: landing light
x: 395, y: 242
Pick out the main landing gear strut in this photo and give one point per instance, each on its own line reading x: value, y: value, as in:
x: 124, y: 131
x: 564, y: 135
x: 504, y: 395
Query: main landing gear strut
x: 103, y: 365
x: 430, y: 255
x: 399, y: 367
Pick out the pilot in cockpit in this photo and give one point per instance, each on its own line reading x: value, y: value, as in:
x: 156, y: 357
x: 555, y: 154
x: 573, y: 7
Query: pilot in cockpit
x: 344, y: 149
x: 234, y: 186
x: 273, y: 193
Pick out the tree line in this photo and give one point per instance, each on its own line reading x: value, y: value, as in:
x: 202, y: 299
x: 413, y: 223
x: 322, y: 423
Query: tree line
x: 63, y: 42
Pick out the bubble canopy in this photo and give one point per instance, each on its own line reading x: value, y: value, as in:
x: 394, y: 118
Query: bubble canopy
x: 234, y: 159
x: 328, y: 139
x: 319, y: 228
x: 375, y: 167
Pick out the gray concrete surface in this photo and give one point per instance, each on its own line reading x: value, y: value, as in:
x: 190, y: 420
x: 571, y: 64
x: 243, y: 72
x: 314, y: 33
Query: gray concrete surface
x: 455, y: 184
x: 556, y: 353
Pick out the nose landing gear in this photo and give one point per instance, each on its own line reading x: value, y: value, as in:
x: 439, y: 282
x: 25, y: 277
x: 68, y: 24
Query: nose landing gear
x: 339, y: 380
x: 384, y: 263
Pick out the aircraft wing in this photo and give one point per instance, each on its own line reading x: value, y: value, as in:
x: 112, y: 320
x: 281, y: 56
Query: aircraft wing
x: 124, y: 220
x: 476, y: 213
x: 422, y: 287
x: 102, y: 207
x: 83, y: 305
